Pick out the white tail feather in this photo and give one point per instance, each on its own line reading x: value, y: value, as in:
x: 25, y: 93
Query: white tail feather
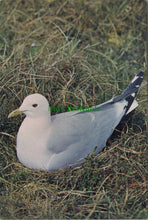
x: 133, y: 106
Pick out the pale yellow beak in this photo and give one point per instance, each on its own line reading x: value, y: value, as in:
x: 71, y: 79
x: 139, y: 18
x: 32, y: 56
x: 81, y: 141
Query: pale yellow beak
x: 15, y: 113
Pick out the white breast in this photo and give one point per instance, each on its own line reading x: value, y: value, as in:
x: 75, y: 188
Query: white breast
x: 32, y: 143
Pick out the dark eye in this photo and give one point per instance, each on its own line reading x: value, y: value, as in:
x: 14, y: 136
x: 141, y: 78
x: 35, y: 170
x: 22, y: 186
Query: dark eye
x: 34, y: 105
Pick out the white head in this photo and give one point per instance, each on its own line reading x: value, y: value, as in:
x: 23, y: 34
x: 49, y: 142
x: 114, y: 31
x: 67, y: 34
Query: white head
x: 34, y: 105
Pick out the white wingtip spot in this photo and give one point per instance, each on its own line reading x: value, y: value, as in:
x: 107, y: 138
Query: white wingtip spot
x: 133, y: 94
x: 136, y: 77
x: 137, y: 86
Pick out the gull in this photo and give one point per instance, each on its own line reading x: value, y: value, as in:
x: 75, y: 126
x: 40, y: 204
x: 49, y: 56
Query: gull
x: 48, y: 142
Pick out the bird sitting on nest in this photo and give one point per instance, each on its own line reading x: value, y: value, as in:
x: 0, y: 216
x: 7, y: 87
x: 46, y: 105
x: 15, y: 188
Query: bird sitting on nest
x: 51, y: 142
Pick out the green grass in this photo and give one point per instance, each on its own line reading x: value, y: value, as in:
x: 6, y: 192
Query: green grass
x: 79, y: 53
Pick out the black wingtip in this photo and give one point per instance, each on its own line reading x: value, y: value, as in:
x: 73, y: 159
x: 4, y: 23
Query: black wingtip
x: 133, y: 87
x: 134, y: 84
x: 140, y: 74
x: 130, y: 92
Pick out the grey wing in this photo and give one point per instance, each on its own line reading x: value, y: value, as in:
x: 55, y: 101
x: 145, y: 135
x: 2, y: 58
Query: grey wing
x: 86, y: 130
x: 74, y: 137
x: 70, y: 129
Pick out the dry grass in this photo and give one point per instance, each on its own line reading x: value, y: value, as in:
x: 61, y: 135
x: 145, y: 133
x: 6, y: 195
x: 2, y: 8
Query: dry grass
x: 77, y: 52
